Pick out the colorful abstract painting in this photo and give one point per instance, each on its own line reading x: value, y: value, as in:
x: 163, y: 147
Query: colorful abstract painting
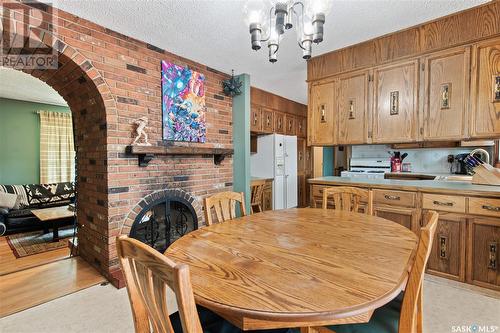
x: 183, y: 103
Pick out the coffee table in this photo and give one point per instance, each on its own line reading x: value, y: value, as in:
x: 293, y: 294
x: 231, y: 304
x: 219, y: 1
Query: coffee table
x: 51, y: 217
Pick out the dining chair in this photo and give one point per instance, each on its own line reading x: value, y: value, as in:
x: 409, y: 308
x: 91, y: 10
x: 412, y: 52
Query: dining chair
x: 404, y: 313
x: 257, y: 192
x: 348, y: 198
x: 224, y: 204
x: 148, y: 273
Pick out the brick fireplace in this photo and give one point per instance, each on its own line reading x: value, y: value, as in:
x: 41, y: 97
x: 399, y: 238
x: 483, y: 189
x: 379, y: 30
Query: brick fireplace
x: 109, y: 80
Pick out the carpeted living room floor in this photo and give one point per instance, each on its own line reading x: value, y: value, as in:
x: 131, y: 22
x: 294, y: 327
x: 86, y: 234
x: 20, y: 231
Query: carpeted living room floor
x: 105, y: 309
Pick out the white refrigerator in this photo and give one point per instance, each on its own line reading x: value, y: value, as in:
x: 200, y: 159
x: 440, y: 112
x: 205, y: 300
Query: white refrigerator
x: 276, y: 158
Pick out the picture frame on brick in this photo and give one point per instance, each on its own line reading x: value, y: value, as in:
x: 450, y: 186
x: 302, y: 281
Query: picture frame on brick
x: 183, y: 103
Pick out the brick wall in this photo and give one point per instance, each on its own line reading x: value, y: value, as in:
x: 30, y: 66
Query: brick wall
x: 108, y: 80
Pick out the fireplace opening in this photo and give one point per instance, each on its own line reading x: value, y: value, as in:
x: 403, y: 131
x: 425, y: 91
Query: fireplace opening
x: 163, y: 221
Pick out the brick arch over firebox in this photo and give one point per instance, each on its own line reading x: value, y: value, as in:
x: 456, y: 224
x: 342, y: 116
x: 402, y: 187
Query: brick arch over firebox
x: 93, y: 108
x: 166, y: 193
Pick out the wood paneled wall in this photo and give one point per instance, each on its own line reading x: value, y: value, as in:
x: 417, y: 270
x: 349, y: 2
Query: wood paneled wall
x: 456, y: 29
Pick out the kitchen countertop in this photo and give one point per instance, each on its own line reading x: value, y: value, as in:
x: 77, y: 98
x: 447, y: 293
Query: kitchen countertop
x: 260, y: 178
x: 442, y: 175
x: 430, y: 186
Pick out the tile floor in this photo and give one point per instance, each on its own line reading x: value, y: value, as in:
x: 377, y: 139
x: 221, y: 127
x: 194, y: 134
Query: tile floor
x: 105, y: 309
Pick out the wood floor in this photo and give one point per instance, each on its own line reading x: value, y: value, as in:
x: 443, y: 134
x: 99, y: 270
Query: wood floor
x: 9, y: 263
x: 27, y: 288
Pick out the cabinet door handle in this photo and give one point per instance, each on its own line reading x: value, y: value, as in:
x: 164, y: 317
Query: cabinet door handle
x: 439, y: 203
x: 443, y: 247
x: 392, y: 197
x: 492, y: 208
x: 492, y: 257
x: 322, y: 113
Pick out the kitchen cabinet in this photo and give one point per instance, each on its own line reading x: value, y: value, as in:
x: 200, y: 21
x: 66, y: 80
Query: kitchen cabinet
x: 407, y: 217
x: 301, y: 156
x: 290, y: 124
x: 279, y: 122
x: 485, y: 94
x: 267, y: 122
x: 447, y: 76
x: 267, y: 196
x: 301, y: 127
x: 395, y: 114
x: 353, y: 108
x: 447, y: 258
x: 483, y: 242
x: 302, y: 191
x: 255, y: 118
x: 321, y: 122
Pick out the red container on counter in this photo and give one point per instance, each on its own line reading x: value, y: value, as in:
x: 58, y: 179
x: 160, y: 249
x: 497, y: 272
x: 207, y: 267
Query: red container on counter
x: 395, y: 164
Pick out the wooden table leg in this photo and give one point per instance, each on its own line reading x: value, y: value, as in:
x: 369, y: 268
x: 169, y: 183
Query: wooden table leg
x: 308, y: 330
x: 315, y: 330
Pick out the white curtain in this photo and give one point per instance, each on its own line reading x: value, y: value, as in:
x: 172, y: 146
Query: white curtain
x: 57, y: 151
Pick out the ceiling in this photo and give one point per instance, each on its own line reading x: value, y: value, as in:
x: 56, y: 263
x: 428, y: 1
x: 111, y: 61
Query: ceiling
x: 212, y: 32
x: 24, y: 87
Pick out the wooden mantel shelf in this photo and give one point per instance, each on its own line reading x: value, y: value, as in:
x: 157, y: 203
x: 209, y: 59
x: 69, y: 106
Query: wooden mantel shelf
x: 146, y: 153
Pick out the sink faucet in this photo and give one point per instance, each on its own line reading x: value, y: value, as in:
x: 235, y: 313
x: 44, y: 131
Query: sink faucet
x: 483, y: 153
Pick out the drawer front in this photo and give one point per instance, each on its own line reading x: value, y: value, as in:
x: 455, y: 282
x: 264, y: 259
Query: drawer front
x: 447, y: 203
x: 396, y: 198
x: 484, y: 206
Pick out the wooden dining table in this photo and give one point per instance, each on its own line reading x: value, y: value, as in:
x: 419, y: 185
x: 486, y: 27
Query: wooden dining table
x: 301, y: 267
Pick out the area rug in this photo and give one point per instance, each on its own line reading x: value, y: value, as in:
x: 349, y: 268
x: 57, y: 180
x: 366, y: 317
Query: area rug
x: 30, y: 243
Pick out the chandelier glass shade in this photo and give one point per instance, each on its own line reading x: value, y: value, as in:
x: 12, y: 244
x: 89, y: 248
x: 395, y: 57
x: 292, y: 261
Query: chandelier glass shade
x: 268, y: 20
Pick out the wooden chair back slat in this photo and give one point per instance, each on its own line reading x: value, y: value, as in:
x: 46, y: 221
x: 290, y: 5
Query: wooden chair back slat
x: 224, y: 205
x: 147, y: 274
x: 411, y: 312
x: 257, y: 194
x: 348, y: 198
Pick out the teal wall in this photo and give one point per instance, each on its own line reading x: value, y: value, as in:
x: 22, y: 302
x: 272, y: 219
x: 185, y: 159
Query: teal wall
x: 20, y: 140
x: 328, y: 169
x: 241, y: 140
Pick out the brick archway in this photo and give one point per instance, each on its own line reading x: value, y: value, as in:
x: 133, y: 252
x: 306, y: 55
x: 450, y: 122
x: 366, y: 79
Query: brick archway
x: 94, y: 112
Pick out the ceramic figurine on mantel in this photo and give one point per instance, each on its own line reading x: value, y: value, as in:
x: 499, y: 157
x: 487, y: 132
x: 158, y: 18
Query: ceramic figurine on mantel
x: 140, y: 130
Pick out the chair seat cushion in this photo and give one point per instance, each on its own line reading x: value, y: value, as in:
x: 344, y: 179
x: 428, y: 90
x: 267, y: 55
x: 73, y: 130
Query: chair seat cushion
x: 213, y: 323
x: 384, y: 320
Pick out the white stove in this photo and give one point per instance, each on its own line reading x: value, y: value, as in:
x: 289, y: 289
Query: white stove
x: 371, y: 168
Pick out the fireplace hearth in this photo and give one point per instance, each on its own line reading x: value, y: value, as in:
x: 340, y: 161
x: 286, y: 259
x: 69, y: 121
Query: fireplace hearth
x: 163, y: 221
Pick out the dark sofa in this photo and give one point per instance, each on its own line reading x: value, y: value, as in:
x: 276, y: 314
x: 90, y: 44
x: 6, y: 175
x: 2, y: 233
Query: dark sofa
x: 33, y: 196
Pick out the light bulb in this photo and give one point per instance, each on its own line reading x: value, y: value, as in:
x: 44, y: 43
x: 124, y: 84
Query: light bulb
x: 318, y: 6
x: 254, y: 12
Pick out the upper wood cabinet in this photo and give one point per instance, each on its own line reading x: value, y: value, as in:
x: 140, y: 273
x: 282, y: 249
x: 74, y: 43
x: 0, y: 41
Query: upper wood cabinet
x: 321, y: 122
x: 395, y: 105
x: 485, y: 94
x: 255, y: 118
x: 279, y: 122
x: 301, y: 127
x: 353, y: 108
x: 290, y: 124
x: 446, y: 91
x: 267, y: 120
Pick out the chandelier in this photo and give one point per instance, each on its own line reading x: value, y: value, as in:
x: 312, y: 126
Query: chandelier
x: 308, y: 16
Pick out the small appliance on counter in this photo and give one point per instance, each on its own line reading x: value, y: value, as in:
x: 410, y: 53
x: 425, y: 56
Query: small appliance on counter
x: 371, y: 168
x: 458, y: 166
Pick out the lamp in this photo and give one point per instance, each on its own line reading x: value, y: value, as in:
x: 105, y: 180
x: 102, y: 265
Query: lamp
x: 308, y: 16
